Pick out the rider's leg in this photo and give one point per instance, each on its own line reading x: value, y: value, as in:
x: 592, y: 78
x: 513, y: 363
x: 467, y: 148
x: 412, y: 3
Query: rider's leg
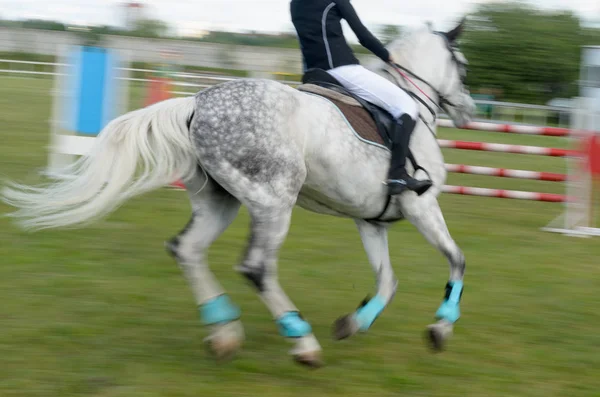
x: 375, y: 89
x: 379, y: 91
x: 398, y: 179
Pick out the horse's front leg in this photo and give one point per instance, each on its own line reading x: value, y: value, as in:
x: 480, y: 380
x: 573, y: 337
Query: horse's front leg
x: 375, y: 242
x: 425, y: 214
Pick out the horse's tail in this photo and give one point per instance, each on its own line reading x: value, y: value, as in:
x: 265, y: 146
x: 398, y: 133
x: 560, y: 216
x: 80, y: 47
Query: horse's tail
x: 137, y: 152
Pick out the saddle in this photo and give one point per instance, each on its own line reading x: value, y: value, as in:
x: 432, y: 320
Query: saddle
x: 371, y: 123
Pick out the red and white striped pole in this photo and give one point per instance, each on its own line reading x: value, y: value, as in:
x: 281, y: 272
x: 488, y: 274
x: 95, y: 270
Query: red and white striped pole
x: 506, y: 173
x: 510, y: 194
x: 502, y: 148
x: 509, y: 128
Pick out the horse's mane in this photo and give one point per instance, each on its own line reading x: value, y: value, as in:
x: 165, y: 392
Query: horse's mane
x: 410, y: 41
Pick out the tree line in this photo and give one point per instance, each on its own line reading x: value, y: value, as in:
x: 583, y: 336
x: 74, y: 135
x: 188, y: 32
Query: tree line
x: 519, y: 53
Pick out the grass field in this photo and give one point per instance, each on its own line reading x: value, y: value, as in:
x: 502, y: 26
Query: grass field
x: 105, y: 312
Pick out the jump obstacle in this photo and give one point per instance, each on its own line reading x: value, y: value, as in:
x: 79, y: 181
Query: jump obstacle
x: 510, y: 128
x: 90, y: 91
x: 583, y: 163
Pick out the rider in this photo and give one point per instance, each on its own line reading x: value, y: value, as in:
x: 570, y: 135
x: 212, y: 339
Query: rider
x: 318, y: 24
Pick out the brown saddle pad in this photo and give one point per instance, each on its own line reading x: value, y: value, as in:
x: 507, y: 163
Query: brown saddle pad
x: 359, y: 118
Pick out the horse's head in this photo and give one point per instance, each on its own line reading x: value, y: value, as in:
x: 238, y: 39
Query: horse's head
x: 456, y: 100
x: 434, y: 59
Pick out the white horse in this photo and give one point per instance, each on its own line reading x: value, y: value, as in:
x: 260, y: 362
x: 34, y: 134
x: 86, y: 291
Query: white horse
x: 270, y: 147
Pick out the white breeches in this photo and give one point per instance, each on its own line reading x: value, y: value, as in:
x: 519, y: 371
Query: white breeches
x: 375, y: 89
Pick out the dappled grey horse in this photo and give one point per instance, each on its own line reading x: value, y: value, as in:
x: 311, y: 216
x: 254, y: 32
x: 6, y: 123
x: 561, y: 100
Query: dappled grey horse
x: 270, y: 147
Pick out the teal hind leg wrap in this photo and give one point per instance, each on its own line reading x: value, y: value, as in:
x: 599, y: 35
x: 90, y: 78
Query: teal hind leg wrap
x: 219, y: 310
x: 292, y: 325
x: 450, y: 309
x: 367, y: 314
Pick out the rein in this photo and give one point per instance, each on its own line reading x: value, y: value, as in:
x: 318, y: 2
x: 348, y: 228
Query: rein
x: 398, y: 69
x: 401, y: 69
x: 404, y: 72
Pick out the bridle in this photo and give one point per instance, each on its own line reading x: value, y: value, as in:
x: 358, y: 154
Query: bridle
x: 442, y: 99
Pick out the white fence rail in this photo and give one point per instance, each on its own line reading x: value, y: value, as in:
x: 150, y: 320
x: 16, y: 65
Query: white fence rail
x: 500, y: 111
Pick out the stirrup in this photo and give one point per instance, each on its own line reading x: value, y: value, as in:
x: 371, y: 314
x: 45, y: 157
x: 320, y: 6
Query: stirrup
x: 398, y: 186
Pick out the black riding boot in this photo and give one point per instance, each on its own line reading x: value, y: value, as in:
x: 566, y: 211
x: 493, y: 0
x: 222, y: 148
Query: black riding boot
x: 398, y: 179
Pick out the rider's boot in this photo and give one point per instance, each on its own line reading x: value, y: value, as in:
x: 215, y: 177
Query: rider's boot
x: 398, y: 179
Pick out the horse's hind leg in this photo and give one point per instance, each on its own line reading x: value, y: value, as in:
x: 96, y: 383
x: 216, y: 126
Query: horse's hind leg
x: 251, y: 149
x: 270, y: 192
x: 213, y: 211
x: 269, y: 229
x: 425, y: 214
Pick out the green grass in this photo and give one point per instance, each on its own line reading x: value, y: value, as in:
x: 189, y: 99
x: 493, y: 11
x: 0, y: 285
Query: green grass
x: 105, y: 312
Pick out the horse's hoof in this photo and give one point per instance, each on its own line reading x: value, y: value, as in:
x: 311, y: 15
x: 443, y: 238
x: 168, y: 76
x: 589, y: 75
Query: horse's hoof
x: 225, y: 341
x: 437, y: 335
x: 309, y: 359
x: 344, y: 327
x: 435, y: 339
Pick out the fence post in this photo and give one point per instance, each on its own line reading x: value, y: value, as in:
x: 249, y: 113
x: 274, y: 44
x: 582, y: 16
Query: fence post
x: 578, y: 218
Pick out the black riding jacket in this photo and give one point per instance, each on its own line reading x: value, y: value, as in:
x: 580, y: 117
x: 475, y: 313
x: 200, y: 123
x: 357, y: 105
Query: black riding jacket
x: 319, y: 29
